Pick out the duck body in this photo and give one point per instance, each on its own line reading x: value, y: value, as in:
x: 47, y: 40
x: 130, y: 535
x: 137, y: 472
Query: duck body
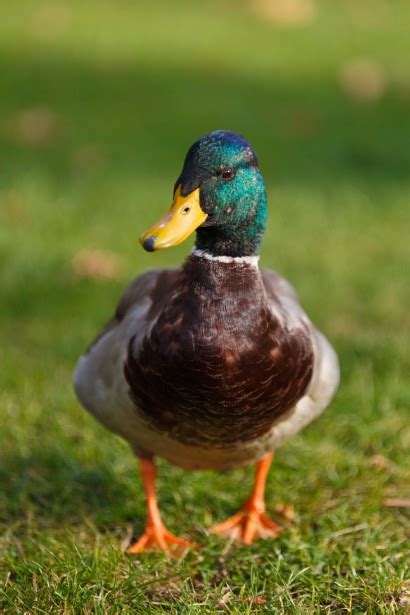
x: 209, y: 366
x: 215, y: 364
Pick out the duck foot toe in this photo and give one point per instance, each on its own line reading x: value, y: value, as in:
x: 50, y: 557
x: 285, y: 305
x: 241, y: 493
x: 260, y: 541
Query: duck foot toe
x: 248, y: 525
x: 158, y: 538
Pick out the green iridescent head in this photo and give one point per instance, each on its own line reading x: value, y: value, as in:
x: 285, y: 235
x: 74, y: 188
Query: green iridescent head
x: 221, y: 194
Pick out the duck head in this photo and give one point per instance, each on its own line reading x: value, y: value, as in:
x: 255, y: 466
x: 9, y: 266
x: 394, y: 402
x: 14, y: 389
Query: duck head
x: 220, y: 194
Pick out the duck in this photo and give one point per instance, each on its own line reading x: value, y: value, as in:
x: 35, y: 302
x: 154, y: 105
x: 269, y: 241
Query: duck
x: 212, y: 365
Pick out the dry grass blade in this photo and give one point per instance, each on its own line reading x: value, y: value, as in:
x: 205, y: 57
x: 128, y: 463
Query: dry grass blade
x: 397, y: 502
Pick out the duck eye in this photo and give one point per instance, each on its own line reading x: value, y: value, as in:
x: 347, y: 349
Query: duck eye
x: 227, y: 173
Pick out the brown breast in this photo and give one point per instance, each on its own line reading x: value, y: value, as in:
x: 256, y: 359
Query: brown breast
x: 218, y: 368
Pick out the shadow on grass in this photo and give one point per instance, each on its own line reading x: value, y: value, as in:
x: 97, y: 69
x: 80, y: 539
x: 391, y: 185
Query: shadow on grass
x: 55, y: 488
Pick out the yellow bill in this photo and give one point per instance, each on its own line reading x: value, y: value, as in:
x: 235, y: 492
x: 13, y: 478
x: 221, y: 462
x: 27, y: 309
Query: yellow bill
x: 183, y: 218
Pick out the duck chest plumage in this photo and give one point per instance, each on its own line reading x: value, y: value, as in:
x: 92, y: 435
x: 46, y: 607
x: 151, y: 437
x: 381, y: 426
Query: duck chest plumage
x: 220, y: 364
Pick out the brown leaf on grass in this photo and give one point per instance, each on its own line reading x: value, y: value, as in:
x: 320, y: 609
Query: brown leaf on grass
x: 38, y: 126
x: 380, y: 462
x: 286, y: 12
x: 397, y: 502
x: 256, y: 600
x: 97, y: 264
x: 363, y: 80
x: 404, y: 596
x: 287, y: 511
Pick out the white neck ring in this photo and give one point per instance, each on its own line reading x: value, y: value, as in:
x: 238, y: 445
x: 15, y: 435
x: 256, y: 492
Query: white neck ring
x: 246, y: 260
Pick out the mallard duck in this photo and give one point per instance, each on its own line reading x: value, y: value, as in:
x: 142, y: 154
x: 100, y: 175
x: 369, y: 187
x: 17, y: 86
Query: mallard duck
x: 213, y: 365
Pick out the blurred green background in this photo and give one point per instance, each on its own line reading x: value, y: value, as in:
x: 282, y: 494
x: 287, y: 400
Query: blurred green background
x: 99, y: 102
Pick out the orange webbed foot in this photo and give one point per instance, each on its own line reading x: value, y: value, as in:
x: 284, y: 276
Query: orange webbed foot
x: 248, y: 525
x: 158, y: 538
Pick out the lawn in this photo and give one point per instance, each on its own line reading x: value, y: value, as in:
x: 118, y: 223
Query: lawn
x: 99, y: 101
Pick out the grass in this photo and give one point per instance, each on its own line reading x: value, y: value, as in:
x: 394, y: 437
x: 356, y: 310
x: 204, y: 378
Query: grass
x: 99, y: 102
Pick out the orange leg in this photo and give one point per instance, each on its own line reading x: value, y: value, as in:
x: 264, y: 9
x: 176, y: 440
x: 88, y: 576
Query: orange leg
x: 251, y: 523
x: 155, y: 537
